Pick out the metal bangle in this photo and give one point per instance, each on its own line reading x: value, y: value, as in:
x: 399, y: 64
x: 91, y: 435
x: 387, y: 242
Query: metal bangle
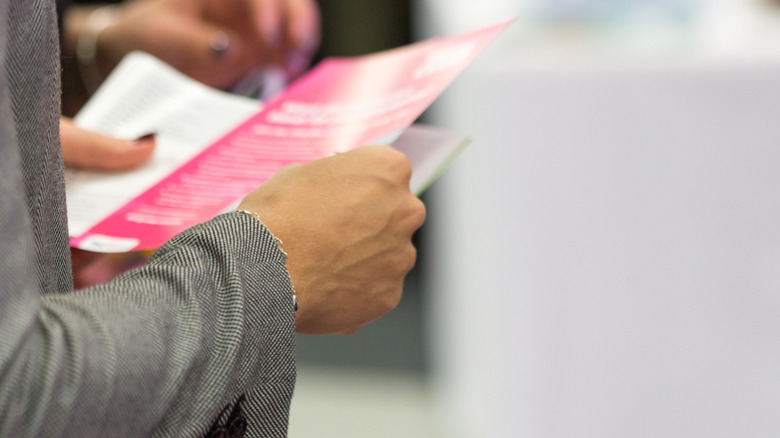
x: 86, y: 45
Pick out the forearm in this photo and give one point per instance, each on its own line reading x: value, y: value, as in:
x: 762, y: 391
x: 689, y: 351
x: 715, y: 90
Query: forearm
x: 163, y: 348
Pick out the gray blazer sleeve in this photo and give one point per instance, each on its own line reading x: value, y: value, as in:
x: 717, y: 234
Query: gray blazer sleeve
x: 157, y: 352
x: 160, y: 350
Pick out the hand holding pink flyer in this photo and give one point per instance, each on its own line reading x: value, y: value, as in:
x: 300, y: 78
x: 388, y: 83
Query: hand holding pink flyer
x: 343, y: 103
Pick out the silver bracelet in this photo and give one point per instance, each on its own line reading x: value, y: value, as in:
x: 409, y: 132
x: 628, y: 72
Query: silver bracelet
x: 280, y: 244
x: 86, y: 45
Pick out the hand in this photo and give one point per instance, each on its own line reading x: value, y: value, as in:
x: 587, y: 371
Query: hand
x: 346, y: 223
x: 90, y: 150
x: 191, y: 35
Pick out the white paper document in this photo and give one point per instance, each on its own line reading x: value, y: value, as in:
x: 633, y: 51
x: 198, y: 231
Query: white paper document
x: 144, y: 95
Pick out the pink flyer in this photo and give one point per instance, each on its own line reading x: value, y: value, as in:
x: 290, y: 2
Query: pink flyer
x: 341, y: 104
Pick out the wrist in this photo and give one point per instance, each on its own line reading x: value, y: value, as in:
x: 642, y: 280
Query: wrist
x: 82, y: 29
x: 280, y: 245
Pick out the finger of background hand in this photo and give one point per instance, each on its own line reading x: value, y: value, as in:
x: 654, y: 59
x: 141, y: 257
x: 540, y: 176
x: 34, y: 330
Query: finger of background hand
x: 268, y: 21
x: 90, y: 150
x: 205, y: 52
x: 302, y: 24
x: 302, y: 35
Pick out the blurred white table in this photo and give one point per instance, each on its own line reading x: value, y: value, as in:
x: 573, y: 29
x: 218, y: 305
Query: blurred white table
x: 606, y: 255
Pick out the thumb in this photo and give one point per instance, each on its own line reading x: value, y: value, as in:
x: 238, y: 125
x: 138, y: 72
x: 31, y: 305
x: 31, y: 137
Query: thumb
x: 90, y: 150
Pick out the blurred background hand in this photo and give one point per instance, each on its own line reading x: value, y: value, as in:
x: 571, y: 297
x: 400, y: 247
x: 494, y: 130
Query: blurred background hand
x: 85, y: 149
x: 89, y: 150
x: 217, y: 42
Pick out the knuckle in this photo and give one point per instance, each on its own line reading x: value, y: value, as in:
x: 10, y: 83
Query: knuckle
x: 288, y: 168
x: 391, y: 159
x: 400, y: 164
x: 390, y: 299
x: 411, y: 257
x: 417, y: 212
x: 411, y: 215
x: 407, y: 258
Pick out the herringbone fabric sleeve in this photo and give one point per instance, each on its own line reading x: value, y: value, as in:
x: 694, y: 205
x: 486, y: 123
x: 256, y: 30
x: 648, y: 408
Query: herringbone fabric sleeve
x: 160, y: 350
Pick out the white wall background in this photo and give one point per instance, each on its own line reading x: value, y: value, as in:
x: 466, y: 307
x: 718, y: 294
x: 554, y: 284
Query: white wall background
x: 607, y: 253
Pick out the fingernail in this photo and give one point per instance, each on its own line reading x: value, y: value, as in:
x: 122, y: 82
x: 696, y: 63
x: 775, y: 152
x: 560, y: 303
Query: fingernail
x: 146, y: 137
x: 220, y: 43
